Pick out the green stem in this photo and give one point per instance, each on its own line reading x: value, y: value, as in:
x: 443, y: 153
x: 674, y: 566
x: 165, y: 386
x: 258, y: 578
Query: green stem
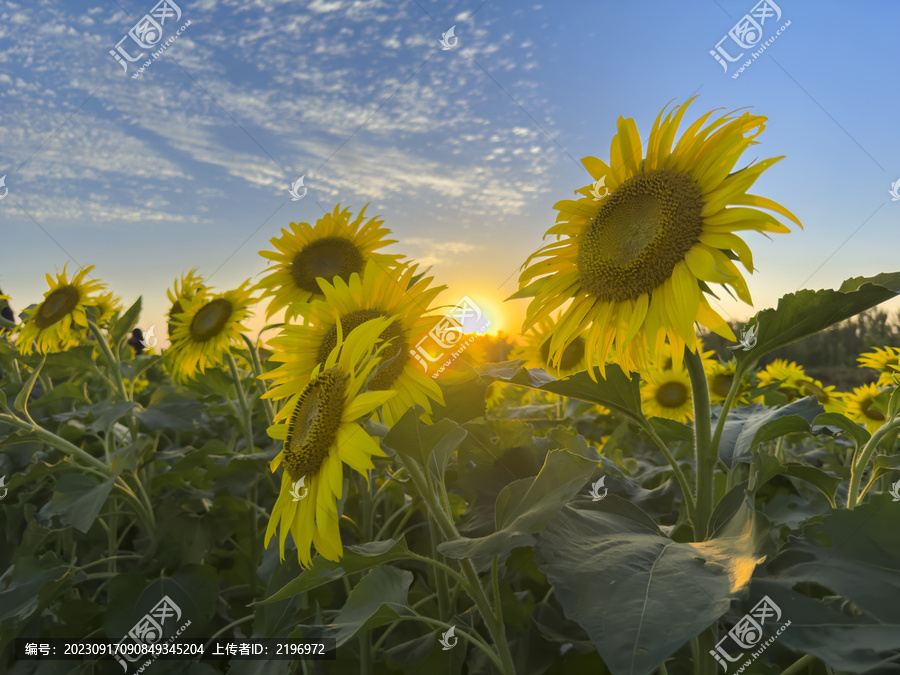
x: 95, y: 466
x: 246, y: 423
x: 800, y: 665
x: 440, y: 579
x: 237, y: 622
x: 471, y: 638
x: 448, y: 530
x: 859, y: 466
x: 705, y: 454
x: 689, y: 503
x: 111, y: 360
x: 256, y: 364
x: 704, y: 663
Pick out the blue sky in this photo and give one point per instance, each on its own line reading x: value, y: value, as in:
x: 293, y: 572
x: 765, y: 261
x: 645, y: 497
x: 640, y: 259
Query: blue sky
x: 463, y: 152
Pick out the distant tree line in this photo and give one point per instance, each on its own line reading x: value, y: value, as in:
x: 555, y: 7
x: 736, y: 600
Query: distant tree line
x: 830, y: 356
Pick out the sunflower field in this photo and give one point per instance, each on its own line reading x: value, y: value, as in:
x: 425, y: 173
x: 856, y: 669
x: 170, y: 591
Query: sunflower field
x: 362, y: 478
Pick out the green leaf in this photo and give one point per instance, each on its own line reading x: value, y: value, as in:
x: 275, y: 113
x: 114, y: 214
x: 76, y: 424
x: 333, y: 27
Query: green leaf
x: 804, y: 313
x: 181, y: 415
x: 639, y: 596
x: 443, y: 450
x: 379, y: 598
x: 823, y: 482
x: 410, y: 437
x: 525, y: 506
x: 856, y: 431
x: 748, y: 426
x: 78, y: 499
x: 616, y: 391
x: 26, y: 589
x: 838, y: 583
x: 21, y: 402
x: 125, y: 324
x: 356, y: 559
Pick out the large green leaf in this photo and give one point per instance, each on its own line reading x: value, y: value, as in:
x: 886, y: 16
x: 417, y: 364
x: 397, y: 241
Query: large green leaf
x: 378, y: 599
x: 410, y: 437
x: 838, y: 583
x: 616, y: 391
x: 639, y: 595
x: 356, y: 559
x: 804, y: 313
x: 124, y: 325
x: 748, y: 426
x: 525, y: 506
x: 173, y: 415
x: 27, y: 588
x: 78, y: 499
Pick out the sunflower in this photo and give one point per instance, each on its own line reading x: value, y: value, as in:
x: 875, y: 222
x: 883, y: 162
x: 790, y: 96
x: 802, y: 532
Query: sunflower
x: 636, y: 263
x: 886, y: 360
x: 191, y: 286
x: 60, y: 320
x: 5, y: 310
x: 861, y: 407
x: 108, y: 305
x: 828, y: 398
x: 334, y: 247
x: 667, y: 393
x: 535, y: 352
x: 720, y: 377
x: 394, y: 294
x: 785, y: 373
x: 319, y: 428
x: 205, y: 329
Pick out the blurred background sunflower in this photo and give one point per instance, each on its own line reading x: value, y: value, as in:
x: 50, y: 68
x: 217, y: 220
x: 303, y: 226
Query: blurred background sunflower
x: 666, y: 392
x: 886, y: 361
x: 862, y: 408
x: 190, y: 287
x: 535, y: 351
x: 60, y: 321
x: 333, y: 247
x: 318, y: 425
x: 636, y: 262
x: 206, y: 329
x: 392, y: 293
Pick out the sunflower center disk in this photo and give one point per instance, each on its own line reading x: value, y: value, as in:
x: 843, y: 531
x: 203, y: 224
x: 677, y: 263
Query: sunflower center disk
x: 870, y: 411
x: 721, y: 384
x: 571, y: 356
x: 397, y: 347
x: 672, y: 395
x: 210, y: 320
x: 641, y: 232
x: 59, y: 303
x: 327, y: 258
x: 314, y: 424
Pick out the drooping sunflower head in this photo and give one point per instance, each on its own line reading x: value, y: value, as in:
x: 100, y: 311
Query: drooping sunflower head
x: 335, y: 247
x: 190, y: 287
x: 861, y: 407
x: 667, y: 393
x: 886, y: 361
x: 206, y: 329
x: 535, y: 350
x: 320, y: 430
x: 395, y: 294
x: 637, y: 257
x: 58, y: 322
